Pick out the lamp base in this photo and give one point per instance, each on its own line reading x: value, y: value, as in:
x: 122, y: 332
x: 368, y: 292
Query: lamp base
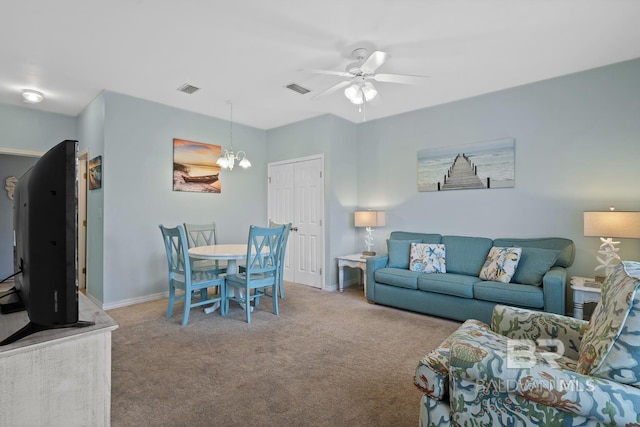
x: 368, y: 253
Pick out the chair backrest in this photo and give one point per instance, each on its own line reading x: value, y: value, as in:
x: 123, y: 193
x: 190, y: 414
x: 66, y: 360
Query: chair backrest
x: 263, y: 249
x: 285, y: 239
x: 200, y: 234
x: 175, y: 244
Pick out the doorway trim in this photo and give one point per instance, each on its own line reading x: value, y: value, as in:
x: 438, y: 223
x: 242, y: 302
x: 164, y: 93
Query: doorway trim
x: 320, y: 156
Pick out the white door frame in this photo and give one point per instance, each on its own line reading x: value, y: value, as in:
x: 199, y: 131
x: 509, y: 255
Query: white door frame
x: 322, y: 213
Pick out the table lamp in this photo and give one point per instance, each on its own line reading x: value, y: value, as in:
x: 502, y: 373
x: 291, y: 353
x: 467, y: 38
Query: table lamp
x: 369, y: 219
x: 607, y: 225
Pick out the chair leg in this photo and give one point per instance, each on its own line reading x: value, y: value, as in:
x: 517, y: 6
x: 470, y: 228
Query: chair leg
x: 281, y: 288
x: 172, y: 298
x: 274, y: 299
x: 247, y: 304
x: 224, y: 303
x: 187, y: 308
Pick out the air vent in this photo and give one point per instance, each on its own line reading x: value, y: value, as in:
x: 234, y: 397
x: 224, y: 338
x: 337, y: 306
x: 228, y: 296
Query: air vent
x: 187, y: 88
x: 297, y: 88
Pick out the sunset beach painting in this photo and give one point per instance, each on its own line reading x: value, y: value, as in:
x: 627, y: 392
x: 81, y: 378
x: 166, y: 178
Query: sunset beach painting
x: 195, y: 168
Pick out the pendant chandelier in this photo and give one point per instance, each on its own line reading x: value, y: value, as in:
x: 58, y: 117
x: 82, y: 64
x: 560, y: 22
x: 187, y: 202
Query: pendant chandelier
x: 228, y: 158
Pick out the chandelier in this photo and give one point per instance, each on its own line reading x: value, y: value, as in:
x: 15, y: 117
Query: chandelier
x: 228, y: 158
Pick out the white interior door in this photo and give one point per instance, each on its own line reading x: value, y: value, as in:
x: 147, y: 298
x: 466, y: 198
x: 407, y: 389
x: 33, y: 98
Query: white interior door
x: 296, y: 195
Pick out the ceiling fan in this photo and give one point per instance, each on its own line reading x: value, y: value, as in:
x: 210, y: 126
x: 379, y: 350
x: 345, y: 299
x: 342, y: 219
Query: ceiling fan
x: 358, y: 86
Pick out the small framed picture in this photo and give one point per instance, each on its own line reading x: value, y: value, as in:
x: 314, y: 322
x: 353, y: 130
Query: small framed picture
x: 95, y: 173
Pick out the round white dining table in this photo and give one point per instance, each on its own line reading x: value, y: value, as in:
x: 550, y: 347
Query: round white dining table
x: 228, y: 252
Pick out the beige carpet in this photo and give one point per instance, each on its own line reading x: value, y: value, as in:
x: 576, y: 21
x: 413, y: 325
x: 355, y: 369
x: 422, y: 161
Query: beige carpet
x: 329, y: 359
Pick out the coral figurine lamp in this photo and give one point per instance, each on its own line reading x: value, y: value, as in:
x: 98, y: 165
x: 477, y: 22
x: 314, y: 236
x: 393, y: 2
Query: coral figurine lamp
x: 369, y: 219
x: 607, y: 225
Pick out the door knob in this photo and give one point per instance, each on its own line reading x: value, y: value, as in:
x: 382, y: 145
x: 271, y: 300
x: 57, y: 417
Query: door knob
x: 294, y: 228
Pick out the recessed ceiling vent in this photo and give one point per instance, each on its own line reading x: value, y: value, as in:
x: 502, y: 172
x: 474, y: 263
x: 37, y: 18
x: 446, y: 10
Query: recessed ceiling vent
x: 187, y: 88
x: 297, y: 88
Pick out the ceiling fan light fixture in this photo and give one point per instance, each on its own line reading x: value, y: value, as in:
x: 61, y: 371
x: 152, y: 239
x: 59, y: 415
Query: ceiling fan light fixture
x: 369, y: 91
x: 353, y: 94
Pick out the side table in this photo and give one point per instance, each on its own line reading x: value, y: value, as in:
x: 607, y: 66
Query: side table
x: 584, y: 290
x: 353, y: 261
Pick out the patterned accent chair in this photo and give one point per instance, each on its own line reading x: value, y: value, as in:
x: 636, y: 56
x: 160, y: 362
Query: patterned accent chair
x: 534, y: 368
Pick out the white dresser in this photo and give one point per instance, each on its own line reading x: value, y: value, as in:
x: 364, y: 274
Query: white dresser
x: 59, y: 377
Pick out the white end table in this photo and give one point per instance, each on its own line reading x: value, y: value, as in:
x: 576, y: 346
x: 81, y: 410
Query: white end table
x: 583, y: 293
x: 353, y: 261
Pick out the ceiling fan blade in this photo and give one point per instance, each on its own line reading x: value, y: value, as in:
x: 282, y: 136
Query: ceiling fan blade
x: 332, y: 89
x: 328, y: 72
x: 406, y: 79
x: 375, y: 60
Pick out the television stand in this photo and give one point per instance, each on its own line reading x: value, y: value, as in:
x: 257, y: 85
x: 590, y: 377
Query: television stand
x: 58, y: 376
x: 32, y: 328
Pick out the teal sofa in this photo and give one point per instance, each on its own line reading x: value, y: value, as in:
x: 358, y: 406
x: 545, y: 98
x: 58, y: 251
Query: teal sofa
x: 539, y: 282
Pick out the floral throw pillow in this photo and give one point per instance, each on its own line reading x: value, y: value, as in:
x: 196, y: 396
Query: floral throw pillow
x: 610, y: 347
x: 501, y: 264
x: 427, y: 258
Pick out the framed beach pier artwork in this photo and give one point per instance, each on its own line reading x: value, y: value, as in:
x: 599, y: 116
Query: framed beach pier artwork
x: 479, y: 165
x: 195, y: 168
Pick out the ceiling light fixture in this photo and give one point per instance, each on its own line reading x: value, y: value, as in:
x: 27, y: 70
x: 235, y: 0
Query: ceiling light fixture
x: 360, y: 92
x: 228, y: 159
x: 32, y: 96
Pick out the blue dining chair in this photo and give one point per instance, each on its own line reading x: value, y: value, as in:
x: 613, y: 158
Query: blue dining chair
x: 260, y: 271
x: 281, y: 256
x: 203, y: 235
x: 195, y: 286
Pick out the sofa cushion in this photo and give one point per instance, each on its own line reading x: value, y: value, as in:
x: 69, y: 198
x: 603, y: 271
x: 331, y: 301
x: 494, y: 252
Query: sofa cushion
x: 466, y: 255
x: 610, y: 347
x: 427, y: 258
x: 534, y: 263
x: 509, y: 294
x: 398, y: 251
x: 566, y: 247
x: 425, y: 237
x: 449, y: 284
x: 500, y: 264
x: 397, y: 277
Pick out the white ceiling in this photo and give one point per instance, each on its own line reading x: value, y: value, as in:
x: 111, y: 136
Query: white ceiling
x: 246, y: 51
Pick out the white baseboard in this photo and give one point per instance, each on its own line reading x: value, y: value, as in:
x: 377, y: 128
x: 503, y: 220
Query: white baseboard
x: 132, y: 301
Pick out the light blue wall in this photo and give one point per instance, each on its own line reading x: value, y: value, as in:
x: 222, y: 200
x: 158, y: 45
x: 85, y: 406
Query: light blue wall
x: 337, y: 140
x: 10, y: 165
x: 91, y: 140
x: 24, y: 130
x: 577, y: 148
x: 138, y: 190
x: 28, y: 129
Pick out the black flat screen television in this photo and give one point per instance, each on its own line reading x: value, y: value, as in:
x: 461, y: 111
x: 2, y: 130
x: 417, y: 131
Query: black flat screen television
x: 45, y: 222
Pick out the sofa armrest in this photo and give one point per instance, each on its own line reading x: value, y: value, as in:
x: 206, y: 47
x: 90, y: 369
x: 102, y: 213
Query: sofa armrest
x: 540, y: 393
x: 374, y: 263
x: 554, y: 284
x: 537, y: 326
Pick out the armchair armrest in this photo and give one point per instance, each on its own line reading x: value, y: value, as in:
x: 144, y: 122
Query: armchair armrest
x: 374, y: 263
x: 542, y: 393
x: 523, y: 324
x: 554, y: 284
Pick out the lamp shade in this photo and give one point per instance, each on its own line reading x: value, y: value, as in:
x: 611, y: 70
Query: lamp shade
x: 612, y: 224
x: 369, y: 218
